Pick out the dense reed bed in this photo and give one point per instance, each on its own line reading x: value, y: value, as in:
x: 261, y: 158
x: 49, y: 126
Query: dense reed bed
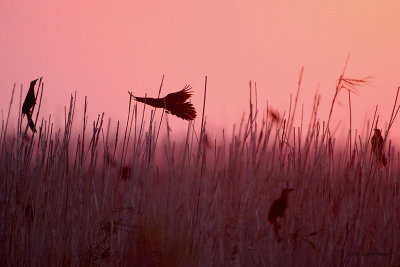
x: 115, y: 195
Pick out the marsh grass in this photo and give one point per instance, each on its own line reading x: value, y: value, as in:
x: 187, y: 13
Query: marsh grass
x: 122, y: 197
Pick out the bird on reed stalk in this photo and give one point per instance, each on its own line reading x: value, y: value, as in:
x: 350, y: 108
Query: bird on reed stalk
x: 378, y: 147
x: 174, y: 103
x: 278, y: 210
x: 29, y: 104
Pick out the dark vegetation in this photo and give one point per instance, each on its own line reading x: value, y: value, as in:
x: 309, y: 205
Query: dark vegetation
x: 122, y: 197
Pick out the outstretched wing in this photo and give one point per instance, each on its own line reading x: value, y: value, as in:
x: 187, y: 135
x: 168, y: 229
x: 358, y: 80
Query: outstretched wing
x: 180, y: 96
x: 154, y: 102
x: 176, y: 105
x: 30, y: 99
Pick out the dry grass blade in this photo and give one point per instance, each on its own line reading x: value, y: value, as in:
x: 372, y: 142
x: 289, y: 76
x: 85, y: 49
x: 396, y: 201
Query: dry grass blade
x: 174, y: 103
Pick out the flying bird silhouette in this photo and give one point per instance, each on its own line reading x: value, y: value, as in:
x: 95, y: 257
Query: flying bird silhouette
x: 29, y: 103
x: 274, y: 115
x: 377, y: 147
x: 278, y: 210
x: 174, y: 103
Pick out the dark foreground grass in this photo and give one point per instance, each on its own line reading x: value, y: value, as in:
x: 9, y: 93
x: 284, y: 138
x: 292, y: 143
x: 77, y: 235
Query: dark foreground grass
x: 126, y: 199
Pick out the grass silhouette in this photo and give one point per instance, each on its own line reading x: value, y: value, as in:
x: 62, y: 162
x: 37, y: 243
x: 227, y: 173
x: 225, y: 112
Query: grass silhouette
x: 122, y: 197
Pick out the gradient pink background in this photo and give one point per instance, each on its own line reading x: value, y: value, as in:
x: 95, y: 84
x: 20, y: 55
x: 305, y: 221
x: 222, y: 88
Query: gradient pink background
x: 101, y: 49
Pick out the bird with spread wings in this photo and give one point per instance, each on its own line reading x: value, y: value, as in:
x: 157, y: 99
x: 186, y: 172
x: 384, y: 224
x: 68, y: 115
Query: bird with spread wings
x: 174, y: 103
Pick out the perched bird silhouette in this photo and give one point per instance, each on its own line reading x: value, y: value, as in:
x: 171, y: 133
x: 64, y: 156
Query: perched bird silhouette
x: 377, y: 147
x: 278, y: 210
x: 29, y: 103
x: 174, y: 103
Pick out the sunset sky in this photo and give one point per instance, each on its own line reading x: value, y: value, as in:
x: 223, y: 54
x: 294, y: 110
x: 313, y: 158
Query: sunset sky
x: 102, y: 49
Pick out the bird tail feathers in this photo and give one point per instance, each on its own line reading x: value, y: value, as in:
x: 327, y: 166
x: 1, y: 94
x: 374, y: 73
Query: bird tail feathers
x: 184, y: 111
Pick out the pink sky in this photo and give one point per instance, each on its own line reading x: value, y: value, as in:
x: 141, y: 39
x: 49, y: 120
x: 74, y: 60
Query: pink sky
x: 101, y: 49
